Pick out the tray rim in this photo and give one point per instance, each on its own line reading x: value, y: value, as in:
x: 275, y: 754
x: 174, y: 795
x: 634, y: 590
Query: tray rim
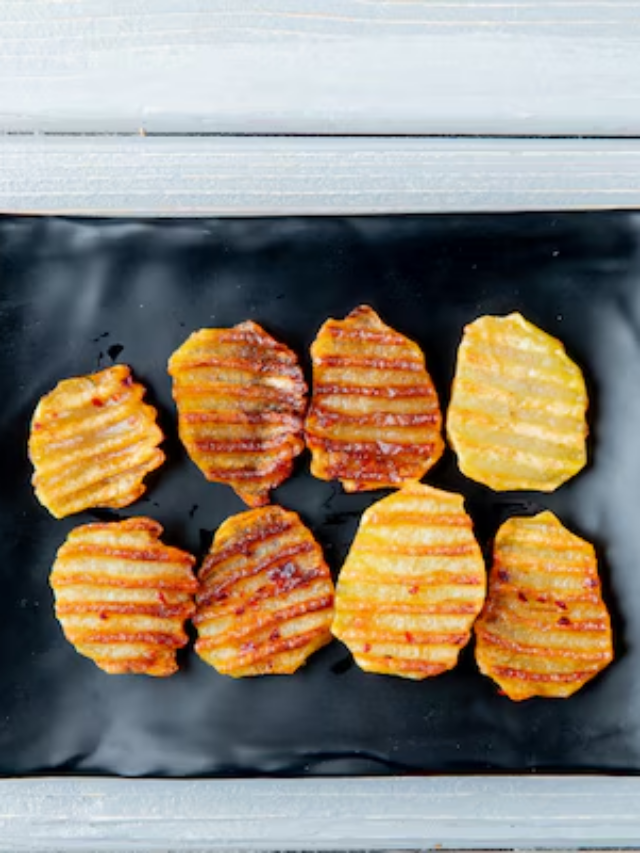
x: 532, y: 812
x: 279, y: 176
x: 108, y: 176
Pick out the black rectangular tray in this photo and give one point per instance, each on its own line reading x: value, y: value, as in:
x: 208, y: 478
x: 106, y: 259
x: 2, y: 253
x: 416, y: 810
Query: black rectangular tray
x: 77, y: 295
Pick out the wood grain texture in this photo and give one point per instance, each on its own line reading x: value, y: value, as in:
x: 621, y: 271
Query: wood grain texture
x: 247, y: 176
x: 512, y: 67
x: 318, y: 814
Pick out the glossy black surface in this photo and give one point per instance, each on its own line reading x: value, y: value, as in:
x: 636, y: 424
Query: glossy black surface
x: 75, y: 295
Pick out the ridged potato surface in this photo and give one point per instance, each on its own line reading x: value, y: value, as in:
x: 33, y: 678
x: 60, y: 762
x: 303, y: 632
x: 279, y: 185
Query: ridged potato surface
x: 374, y: 420
x: 517, y: 418
x: 122, y: 596
x: 92, y: 442
x: 241, y: 399
x: 412, y: 585
x: 266, y: 595
x: 545, y: 630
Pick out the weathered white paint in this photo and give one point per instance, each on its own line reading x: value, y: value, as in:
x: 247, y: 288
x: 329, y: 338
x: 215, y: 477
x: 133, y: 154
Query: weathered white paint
x: 514, y: 67
x: 318, y: 814
x: 225, y: 176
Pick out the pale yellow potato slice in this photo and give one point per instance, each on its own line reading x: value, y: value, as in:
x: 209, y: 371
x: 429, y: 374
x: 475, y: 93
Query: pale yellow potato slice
x: 517, y: 418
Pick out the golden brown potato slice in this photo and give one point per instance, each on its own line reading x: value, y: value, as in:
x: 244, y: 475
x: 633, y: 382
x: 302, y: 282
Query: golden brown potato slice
x: 545, y: 630
x: 241, y: 400
x: 122, y: 596
x: 92, y: 442
x: 412, y: 584
x: 266, y: 595
x: 517, y: 414
x: 374, y: 420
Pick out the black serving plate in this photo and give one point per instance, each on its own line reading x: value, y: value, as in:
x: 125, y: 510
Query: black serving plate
x: 78, y: 295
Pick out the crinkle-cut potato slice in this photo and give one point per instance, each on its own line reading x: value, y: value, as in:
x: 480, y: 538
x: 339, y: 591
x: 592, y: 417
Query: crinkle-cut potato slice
x: 374, y: 420
x: 545, y: 630
x: 122, y: 596
x: 92, y: 442
x: 266, y: 596
x: 517, y: 418
x: 241, y: 399
x: 412, y: 585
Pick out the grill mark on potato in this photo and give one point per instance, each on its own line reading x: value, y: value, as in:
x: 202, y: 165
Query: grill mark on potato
x: 266, y: 595
x: 533, y: 626
x: 378, y: 603
x: 517, y: 418
x: 364, y: 449
x: 262, y: 387
x: 92, y: 607
x: 92, y: 443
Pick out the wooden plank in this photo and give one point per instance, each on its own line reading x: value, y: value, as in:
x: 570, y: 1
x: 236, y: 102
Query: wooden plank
x: 512, y: 67
x: 319, y: 814
x: 249, y: 176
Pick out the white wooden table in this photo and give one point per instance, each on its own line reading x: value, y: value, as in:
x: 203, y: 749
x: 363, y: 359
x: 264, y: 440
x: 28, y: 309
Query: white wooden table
x: 139, y: 107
